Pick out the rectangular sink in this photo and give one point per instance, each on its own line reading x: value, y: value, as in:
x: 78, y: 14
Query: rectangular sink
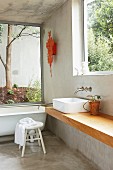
x: 70, y: 105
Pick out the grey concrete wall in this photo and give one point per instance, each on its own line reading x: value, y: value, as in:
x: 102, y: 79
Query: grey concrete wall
x: 25, y: 59
x: 63, y: 84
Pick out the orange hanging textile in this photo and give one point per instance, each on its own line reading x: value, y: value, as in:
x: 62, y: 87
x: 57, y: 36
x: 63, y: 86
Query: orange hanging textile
x: 51, y: 46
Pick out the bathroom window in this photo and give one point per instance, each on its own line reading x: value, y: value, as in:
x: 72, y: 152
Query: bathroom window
x: 92, y: 37
x: 20, y: 64
x: 98, y: 35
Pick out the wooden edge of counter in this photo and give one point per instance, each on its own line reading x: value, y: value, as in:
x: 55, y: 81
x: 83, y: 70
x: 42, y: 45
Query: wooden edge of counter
x: 95, y: 133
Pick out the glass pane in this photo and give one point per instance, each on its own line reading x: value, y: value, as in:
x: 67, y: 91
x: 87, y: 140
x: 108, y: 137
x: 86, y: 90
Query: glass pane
x: 100, y: 35
x: 20, y: 66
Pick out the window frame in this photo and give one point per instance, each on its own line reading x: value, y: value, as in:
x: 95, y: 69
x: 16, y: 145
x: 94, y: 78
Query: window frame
x: 25, y: 104
x: 83, y: 59
x: 85, y: 42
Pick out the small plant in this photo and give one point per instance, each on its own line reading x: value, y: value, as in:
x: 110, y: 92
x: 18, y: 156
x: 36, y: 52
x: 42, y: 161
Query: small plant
x: 10, y: 101
x: 15, y: 86
x: 34, y: 92
x: 94, y: 104
x: 94, y: 98
x: 10, y: 92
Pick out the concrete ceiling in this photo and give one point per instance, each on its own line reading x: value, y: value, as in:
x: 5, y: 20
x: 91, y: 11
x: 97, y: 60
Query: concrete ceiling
x: 28, y: 11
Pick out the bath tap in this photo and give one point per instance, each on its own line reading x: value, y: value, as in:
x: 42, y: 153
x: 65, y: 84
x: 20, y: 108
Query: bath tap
x: 83, y: 89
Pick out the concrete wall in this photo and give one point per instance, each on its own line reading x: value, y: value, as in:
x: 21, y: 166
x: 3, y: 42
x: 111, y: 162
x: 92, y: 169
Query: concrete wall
x: 25, y: 59
x: 63, y: 84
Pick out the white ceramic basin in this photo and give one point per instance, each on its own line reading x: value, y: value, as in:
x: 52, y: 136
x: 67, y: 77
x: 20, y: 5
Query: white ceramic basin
x: 70, y: 105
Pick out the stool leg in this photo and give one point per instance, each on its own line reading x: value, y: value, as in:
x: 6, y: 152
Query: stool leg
x: 37, y: 135
x: 42, y: 142
x: 23, y: 149
x: 31, y: 138
x: 19, y: 147
x: 27, y: 137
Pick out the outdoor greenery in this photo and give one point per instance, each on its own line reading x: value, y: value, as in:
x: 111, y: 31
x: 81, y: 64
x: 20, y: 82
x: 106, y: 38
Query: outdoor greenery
x: 100, y: 35
x: 10, y: 92
x: 94, y: 98
x: 14, y: 32
x: 10, y: 101
x: 15, y: 86
x: 34, y: 92
x: 1, y: 31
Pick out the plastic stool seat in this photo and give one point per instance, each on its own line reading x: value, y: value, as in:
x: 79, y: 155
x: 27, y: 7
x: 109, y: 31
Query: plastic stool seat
x: 37, y: 135
x: 38, y: 125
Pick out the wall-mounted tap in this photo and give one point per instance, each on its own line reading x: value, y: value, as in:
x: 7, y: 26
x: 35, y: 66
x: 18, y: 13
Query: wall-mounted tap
x: 83, y: 89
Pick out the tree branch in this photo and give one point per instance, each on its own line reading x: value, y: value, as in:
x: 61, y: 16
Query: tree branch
x: 16, y: 37
x: 2, y: 62
x: 27, y: 34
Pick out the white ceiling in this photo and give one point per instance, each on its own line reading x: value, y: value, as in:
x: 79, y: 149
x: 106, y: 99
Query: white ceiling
x: 28, y: 11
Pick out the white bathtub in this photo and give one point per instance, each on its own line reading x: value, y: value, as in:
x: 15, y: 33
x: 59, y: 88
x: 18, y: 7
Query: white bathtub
x: 11, y: 115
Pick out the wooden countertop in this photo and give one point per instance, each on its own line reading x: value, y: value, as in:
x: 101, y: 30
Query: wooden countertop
x: 99, y: 127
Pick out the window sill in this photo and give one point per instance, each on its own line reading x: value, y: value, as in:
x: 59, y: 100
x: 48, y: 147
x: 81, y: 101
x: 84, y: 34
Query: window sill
x: 97, y: 73
x: 20, y: 104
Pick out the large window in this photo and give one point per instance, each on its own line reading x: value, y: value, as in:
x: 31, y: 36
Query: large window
x: 20, y: 65
x: 98, y: 31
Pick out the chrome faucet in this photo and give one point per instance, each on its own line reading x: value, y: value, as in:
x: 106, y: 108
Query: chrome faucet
x: 83, y: 89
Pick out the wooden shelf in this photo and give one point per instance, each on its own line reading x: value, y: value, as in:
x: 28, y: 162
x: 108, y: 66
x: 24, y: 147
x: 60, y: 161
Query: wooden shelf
x: 99, y: 127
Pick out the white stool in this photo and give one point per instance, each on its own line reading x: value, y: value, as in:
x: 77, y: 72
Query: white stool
x: 37, y: 135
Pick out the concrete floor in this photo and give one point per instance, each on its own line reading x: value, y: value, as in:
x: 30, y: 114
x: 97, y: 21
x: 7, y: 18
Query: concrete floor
x: 58, y: 157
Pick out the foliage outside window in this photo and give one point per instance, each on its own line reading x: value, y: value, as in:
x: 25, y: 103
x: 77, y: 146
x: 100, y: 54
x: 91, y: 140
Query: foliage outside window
x: 34, y: 92
x: 19, y: 64
x: 100, y: 35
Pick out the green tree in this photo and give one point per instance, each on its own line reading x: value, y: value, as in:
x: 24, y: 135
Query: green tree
x: 98, y: 54
x: 100, y: 35
x: 11, y: 37
x: 100, y: 14
x: 34, y: 91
